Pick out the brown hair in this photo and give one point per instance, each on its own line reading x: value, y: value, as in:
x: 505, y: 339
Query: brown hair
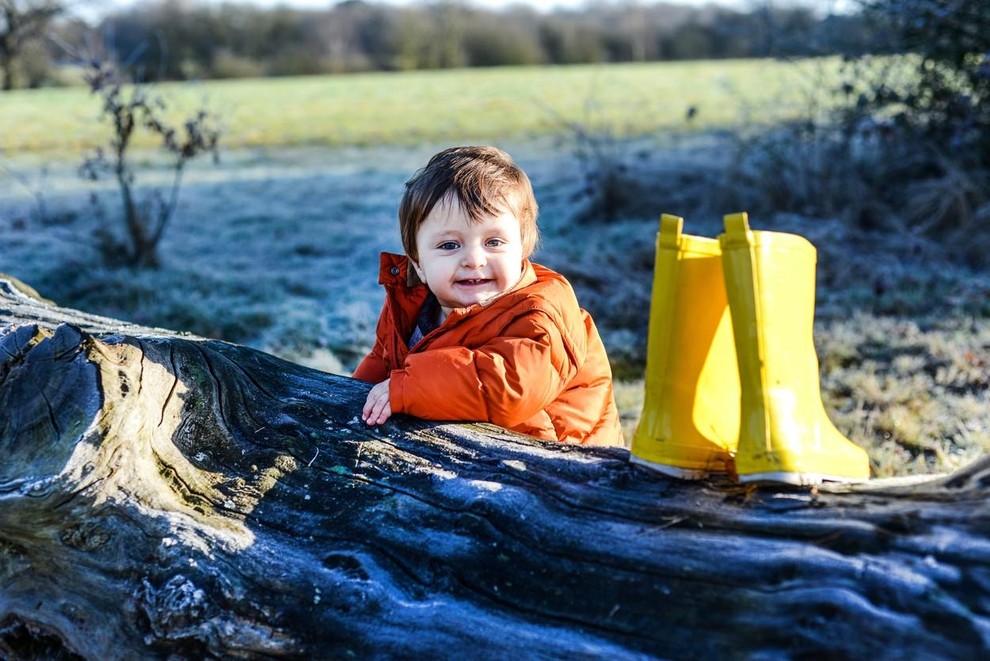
x: 483, y: 179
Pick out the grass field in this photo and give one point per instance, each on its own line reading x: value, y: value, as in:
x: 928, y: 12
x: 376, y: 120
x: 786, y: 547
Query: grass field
x: 276, y: 247
x: 444, y: 106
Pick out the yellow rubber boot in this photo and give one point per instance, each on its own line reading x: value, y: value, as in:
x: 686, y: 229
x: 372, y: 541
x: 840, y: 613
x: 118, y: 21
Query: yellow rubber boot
x: 785, y: 435
x: 690, y: 419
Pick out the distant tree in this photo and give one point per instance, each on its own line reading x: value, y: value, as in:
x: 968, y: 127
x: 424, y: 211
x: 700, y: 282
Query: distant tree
x: 693, y: 42
x: 21, y: 23
x: 568, y: 42
x: 357, y: 36
x: 794, y: 29
x: 844, y: 34
x: 412, y: 43
x: 181, y: 40
x: 514, y: 43
x: 448, y: 18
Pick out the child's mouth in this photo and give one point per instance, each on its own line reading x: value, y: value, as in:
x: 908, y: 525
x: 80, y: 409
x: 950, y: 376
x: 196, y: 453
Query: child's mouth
x: 472, y: 283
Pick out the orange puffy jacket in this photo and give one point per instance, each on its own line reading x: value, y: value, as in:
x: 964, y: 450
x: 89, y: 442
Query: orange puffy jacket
x: 530, y: 360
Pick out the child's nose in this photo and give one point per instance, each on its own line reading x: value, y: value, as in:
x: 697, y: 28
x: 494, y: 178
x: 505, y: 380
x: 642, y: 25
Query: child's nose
x: 473, y: 257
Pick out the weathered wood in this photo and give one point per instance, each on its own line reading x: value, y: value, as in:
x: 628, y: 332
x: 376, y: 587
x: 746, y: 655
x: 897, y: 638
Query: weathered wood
x: 165, y: 496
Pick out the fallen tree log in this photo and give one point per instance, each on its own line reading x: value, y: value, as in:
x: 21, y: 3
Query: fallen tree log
x: 166, y: 496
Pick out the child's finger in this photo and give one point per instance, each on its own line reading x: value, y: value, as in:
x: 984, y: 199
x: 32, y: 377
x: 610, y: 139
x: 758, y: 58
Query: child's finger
x: 374, y: 408
x: 369, y: 412
x: 382, y: 410
x: 386, y: 411
x: 373, y: 416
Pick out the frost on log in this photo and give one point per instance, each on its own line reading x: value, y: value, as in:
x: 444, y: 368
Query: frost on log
x: 166, y: 496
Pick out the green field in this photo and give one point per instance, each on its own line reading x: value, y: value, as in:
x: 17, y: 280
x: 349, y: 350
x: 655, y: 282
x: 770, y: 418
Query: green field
x: 444, y: 106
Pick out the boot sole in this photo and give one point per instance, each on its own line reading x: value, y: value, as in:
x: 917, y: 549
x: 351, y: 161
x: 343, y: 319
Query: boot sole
x: 798, y: 479
x: 676, y: 471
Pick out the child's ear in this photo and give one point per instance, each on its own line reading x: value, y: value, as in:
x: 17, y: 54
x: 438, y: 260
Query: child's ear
x: 415, y: 275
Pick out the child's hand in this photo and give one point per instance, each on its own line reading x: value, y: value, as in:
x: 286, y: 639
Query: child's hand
x: 377, y: 408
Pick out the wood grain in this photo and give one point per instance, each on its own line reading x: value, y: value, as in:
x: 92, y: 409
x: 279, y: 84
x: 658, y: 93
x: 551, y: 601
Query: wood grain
x: 166, y: 496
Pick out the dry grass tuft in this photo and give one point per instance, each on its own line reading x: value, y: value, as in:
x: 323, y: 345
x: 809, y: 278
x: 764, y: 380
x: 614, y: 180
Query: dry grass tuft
x: 916, y: 397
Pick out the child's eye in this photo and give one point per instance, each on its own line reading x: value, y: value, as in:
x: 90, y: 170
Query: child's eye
x: 448, y: 245
x: 495, y: 243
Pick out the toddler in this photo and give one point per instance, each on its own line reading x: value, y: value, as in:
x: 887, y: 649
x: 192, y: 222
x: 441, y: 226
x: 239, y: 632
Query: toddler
x: 471, y: 330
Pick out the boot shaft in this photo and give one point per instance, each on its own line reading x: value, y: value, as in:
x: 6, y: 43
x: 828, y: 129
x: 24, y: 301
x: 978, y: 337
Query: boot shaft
x: 770, y: 282
x: 690, y: 418
x: 785, y: 434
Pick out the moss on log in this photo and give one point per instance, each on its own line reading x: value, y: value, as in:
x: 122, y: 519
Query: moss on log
x: 166, y: 496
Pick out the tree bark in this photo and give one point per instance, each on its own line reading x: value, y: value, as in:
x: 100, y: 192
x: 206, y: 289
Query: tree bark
x: 166, y: 496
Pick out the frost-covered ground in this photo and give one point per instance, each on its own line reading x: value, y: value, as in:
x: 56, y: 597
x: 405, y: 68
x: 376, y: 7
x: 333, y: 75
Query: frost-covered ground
x: 276, y: 250
x: 279, y: 250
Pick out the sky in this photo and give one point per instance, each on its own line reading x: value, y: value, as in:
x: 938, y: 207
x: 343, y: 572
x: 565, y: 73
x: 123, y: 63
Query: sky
x: 552, y: 4
x: 570, y: 4
x: 836, y: 5
x: 489, y: 4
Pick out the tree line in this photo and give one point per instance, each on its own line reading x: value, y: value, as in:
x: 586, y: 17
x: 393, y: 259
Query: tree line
x: 184, y: 39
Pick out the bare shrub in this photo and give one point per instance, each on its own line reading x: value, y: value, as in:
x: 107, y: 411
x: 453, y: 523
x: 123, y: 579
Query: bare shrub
x: 947, y: 201
x: 625, y: 178
x: 130, y: 108
x: 800, y: 168
x: 930, y: 91
x: 947, y: 45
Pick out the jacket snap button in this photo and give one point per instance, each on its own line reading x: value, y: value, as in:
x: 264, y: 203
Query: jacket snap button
x: 394, y: 270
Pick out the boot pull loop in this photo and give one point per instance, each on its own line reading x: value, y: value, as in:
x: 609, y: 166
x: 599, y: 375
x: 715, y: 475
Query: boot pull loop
x: 737, y: 225
x: 742, y: 284
x: 671, y: 228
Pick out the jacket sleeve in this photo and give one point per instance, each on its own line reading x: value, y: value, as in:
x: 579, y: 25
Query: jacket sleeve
x: 372, y: 367
x: 506, y: 381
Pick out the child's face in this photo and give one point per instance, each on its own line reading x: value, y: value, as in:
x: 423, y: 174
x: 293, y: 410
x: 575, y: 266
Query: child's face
x: 465, y: 262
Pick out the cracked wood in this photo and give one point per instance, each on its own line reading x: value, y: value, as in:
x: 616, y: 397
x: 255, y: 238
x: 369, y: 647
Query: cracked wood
x: 166, y: 496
